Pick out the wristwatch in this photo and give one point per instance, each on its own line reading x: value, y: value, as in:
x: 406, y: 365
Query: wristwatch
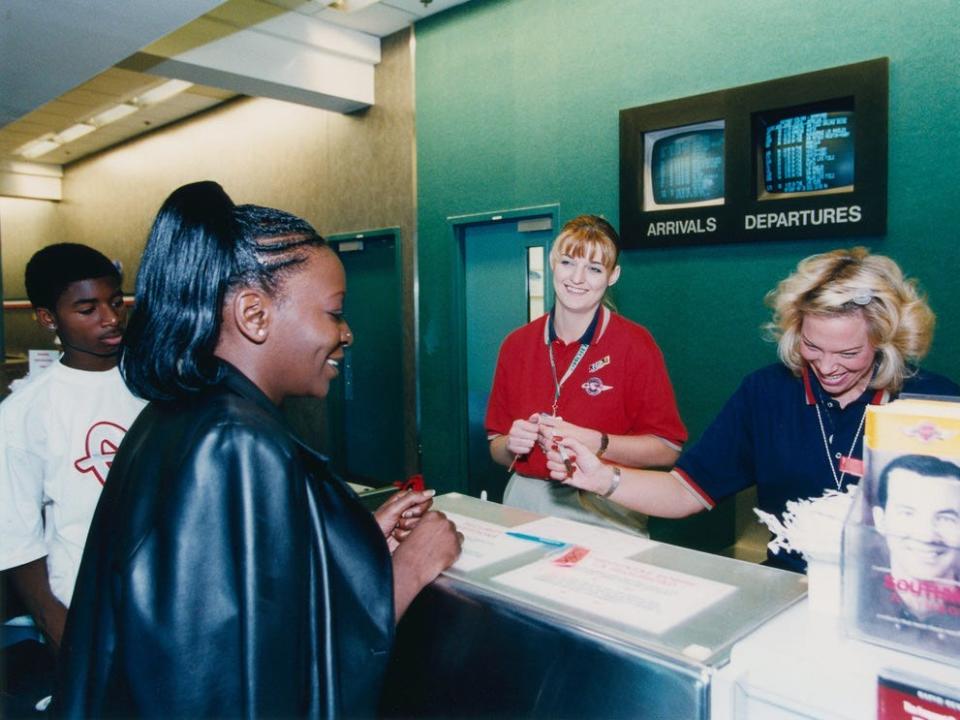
x: 604, y: 442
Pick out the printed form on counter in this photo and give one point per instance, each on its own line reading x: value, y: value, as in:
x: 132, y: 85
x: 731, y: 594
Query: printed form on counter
x: 602, y: 541
x: 643, y: 596
x: 484, y: 543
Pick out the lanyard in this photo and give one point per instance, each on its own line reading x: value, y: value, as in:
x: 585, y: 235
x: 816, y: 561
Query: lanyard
x: 837, y: 479
x: 557, y: 384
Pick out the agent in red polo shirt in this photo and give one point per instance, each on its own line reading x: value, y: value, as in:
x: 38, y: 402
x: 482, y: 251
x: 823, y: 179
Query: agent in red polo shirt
x: 581, y: 372
x: 850, y: 328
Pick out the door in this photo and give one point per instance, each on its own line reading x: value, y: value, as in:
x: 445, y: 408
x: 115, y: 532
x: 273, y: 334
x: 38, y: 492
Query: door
x: 506, y: 284
x: 365, y: 407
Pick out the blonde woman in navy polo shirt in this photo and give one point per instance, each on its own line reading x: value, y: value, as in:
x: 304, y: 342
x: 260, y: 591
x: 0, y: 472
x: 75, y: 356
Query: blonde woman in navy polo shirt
x: 581, y: 372
x: 848, y: 326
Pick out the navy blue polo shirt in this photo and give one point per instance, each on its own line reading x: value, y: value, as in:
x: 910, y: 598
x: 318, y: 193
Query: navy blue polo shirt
x: 768, y: 435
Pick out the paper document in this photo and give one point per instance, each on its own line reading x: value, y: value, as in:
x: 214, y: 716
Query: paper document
x: 602, y: 541
x: 642, y: 596
x: 484, y: 542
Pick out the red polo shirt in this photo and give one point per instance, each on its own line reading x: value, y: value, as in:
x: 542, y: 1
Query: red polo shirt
x: 620, y: 385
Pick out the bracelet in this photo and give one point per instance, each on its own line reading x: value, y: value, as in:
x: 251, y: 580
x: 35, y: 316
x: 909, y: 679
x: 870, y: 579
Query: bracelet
x: 604, y: 442
x: 614, y: 483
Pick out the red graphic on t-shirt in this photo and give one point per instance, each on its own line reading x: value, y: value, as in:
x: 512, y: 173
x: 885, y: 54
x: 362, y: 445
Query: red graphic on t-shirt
x: 103, y: 439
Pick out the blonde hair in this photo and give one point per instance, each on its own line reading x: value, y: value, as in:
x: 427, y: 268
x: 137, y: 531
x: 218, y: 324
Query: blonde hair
x: 584, y: 236
x: 899, y: 321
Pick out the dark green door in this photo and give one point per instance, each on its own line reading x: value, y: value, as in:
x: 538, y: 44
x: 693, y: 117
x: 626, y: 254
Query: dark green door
x: 506, y: 285
x: 365, y: 407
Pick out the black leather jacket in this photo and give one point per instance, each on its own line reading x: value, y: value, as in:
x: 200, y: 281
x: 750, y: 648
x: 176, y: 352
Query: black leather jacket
x: 227, y: 573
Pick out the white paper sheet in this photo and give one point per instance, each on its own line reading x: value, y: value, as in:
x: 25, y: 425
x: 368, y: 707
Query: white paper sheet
x: 484, y: 542
x: 643, y: 596
x: 602, y: 541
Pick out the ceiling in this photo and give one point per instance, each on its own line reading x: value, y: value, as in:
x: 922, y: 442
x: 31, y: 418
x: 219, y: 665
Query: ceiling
x: 62, y: 63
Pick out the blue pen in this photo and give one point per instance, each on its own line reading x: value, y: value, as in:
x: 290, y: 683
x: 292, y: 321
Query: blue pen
x: 536, y: 539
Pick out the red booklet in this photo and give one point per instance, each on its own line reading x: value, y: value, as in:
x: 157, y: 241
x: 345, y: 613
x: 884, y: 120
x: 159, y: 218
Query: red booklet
x: 899, y: 700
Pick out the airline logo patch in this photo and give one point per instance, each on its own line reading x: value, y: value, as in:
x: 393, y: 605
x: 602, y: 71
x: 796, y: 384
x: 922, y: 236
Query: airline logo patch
x: 594, y: 386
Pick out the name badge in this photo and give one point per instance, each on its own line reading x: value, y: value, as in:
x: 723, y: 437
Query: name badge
x: 602, y: 362
x: 851, y: 466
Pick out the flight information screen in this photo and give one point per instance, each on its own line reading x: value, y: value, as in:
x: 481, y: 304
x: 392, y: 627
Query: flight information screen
x: 809, y: 153
x: 688, y: 167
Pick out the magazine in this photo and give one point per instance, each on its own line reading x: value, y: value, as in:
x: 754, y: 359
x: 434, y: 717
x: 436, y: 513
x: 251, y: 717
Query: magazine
x: 901, y: 545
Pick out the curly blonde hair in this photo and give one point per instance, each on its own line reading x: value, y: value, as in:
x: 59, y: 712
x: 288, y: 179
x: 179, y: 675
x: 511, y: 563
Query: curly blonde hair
x: 899, y: 321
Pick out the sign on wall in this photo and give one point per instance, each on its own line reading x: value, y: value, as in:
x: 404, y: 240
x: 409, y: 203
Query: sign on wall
x: 793, y: 158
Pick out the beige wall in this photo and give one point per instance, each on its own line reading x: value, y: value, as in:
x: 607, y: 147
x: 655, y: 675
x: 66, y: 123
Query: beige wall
x: 25, y: 226
x: 21, y: 221
x: 340, y: 172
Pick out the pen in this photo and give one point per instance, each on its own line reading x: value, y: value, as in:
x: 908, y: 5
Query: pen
x: 537, y: 539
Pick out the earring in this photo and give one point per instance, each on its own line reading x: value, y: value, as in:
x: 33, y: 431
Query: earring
x: 261, y: 332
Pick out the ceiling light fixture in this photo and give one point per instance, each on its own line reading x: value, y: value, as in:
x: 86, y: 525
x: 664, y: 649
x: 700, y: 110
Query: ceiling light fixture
x: 113, y: 114
x: 50, y: 141
x: 351, y: 6
x: 74, y: 131
x: 161, y: 92
x: 38, y: 147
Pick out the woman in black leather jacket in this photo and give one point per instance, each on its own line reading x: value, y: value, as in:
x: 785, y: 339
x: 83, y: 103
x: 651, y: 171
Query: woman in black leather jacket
x: 227, y: 573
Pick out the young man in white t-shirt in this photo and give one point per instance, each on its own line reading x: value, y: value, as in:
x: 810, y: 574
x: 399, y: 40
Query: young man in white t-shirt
x: 60, y: 428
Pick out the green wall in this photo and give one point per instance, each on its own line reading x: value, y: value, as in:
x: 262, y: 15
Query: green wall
x: 517, y: 105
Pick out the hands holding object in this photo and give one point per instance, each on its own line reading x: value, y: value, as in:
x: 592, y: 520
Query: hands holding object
x: 570, y: 462
x: 401, y: 513
x: 423, y: 542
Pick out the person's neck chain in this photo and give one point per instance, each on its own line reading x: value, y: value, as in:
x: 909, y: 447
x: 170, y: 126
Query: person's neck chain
x: 558, y: 383
x: 838, y: 479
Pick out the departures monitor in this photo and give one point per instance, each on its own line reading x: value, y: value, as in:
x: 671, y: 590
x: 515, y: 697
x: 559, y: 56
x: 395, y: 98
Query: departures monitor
x: 806, y: 152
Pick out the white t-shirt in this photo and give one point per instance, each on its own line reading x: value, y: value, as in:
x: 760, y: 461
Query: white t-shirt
x: 59, y: 431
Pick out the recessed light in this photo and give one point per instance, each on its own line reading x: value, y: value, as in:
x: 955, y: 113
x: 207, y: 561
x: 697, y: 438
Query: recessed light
x: 74, y: 131
x: 161, y: 92
x: 113, y: 114
x: 38, y: 147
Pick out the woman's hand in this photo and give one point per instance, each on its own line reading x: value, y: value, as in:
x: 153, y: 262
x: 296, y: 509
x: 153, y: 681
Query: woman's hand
x: 582, y: 469
x: 551, y: 426
x: 429, y: 549
x: 523, y: 434
x: 401, y: 513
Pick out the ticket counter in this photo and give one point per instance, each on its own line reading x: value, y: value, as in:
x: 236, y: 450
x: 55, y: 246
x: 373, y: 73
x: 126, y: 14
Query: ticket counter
x: 561, y: 620
x: 802, y: 665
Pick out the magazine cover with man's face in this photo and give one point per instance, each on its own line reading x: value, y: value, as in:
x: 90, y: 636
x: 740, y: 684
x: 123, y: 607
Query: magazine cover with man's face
x: 901, y: 559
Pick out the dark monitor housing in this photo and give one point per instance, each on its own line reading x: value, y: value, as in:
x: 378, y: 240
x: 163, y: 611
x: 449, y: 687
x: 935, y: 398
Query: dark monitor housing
x: 793, y: 158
